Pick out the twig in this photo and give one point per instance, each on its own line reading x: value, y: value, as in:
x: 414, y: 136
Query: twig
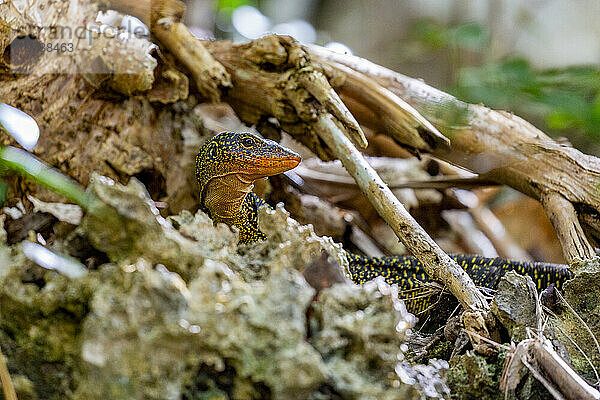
x: 438, y: 265
x: 442, y: 182
x: 431, y: 307
x: 495, y: 344
x: 562, y: 375
x: 574, y: 343
x: 445, y: 182
x: 435, y: 338
x: 7, y: 385
x: 317, y: 85
x: 549, y: 387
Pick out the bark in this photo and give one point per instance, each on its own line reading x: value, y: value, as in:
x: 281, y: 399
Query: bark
x: 163, y: 17
x: 501, y: 147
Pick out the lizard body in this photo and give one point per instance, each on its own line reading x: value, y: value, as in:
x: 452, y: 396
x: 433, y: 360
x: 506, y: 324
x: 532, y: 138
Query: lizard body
x: 226, y: 169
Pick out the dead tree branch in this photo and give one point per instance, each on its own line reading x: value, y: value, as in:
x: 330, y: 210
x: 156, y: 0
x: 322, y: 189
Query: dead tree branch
x: 539, y: 357
x: 501, y: 147
x: 8, y: 389
x: 163, y: 17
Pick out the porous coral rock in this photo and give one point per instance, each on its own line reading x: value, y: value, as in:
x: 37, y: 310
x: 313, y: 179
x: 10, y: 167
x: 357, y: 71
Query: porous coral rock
x: 125, y: 224
x: 41, y: 313
x: 136, y: 329
x: 360, y: 332
x: 516, y: 305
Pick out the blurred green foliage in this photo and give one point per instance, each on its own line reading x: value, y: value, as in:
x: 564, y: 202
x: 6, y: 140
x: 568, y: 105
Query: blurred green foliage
x: 560, y: 101
x: 25, y: 164
x: 230, y: 5
x: 563, y: 99
x: 435, y: 36
x: 220, y: 4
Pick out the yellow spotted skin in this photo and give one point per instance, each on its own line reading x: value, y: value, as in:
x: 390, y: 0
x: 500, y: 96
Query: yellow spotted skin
x: 226, y: 167
x: 232, y: 153
x: 408, y: 273
x: 247, y: 221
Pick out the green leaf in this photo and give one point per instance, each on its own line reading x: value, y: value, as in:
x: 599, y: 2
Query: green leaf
x: 24, y: 163
x: 3, y: 192
x: 559, y: 120
x: 233, y: 4
x: 430, y: 34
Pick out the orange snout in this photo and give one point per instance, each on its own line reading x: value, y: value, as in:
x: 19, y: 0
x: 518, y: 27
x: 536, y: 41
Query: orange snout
x: 269, y: 166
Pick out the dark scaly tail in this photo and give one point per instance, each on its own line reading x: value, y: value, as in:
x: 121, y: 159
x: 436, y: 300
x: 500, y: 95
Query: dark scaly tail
x: 486, y: 272
x: 410, y: 276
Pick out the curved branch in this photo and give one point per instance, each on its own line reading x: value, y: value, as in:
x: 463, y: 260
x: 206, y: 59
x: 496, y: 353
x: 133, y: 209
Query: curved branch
x: 562, y: 214
x: 401, y: 120
x: 501, y: 147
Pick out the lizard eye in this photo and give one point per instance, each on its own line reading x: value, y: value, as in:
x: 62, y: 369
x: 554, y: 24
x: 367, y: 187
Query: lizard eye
x: 247, y: 142
x: 213, y: 151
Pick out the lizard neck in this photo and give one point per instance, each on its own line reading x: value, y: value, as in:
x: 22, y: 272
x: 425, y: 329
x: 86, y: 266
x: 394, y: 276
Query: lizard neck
x: 225, y: 196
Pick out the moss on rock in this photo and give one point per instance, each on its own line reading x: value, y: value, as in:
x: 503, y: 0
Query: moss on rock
x: 582, y: 294
x: 181, y: 311
x: 472, y: 376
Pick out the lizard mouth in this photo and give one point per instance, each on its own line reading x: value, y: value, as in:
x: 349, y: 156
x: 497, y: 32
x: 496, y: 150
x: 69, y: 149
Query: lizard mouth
x: 291, y: 162
x: 272, y: 166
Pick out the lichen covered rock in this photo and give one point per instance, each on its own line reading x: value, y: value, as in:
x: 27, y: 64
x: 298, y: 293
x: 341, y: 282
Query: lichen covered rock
x: 582, y: 295
x: 475, y: 377
x: 41, y: 313
x: 360, y: 332
x: 472, y: 376
x: 181, y: 311
x: 516, y: 305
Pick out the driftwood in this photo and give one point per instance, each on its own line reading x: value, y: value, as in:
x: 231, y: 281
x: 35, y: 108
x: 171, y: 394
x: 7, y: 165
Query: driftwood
x: 163, y: 16
x: 500, y: 147
x: 538, y: 356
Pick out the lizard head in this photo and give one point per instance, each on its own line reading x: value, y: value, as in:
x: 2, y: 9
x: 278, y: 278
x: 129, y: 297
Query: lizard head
x: 242, y: 154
